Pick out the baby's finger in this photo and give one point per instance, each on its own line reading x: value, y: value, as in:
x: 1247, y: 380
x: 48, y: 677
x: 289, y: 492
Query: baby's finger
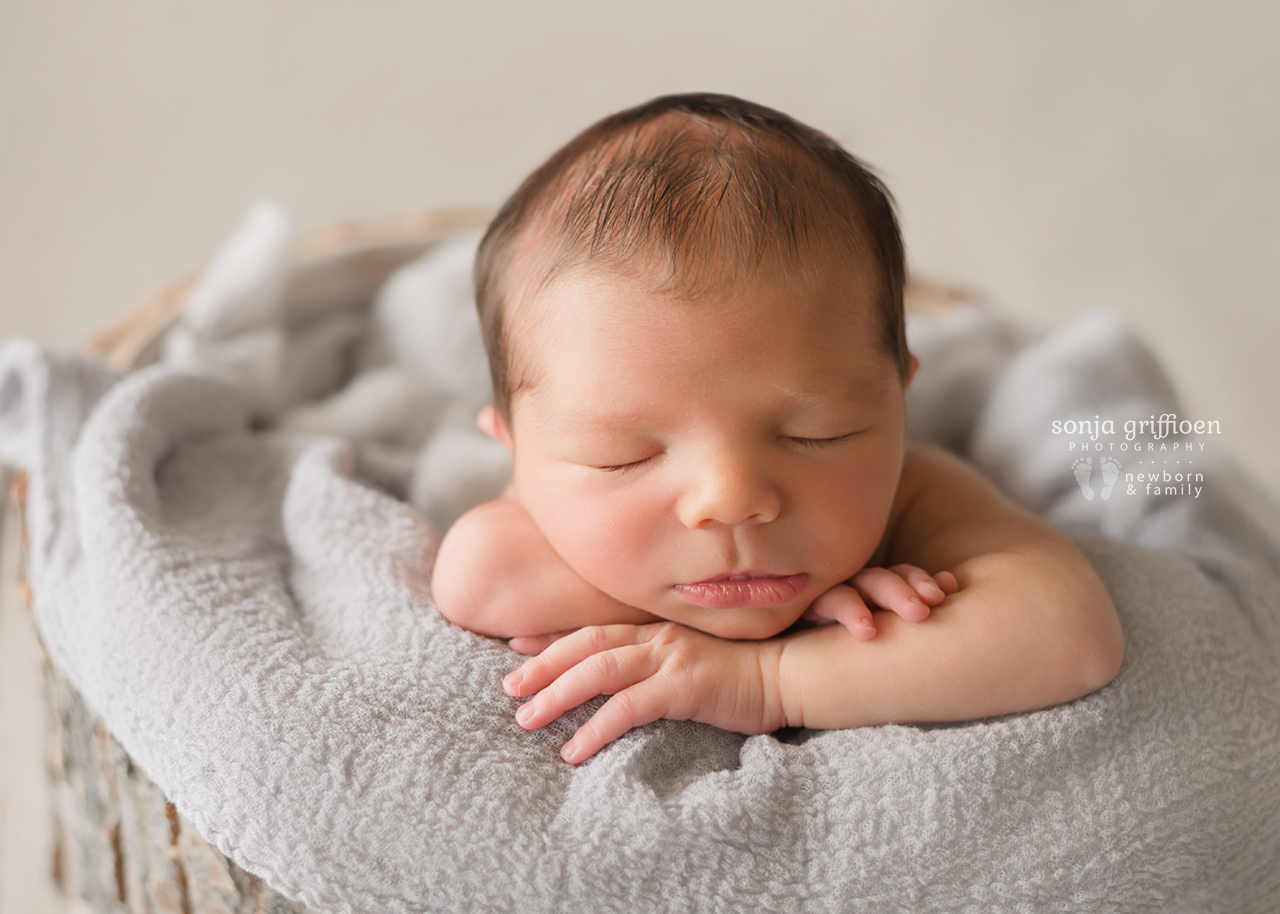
x: 947, y: 581
x: 540, y: 671
x: 604, y: 673
x: 886, y: 589
x: 641, y: 704
x: 532, y: 645
x: 924, y: 584
x: 843, y: 605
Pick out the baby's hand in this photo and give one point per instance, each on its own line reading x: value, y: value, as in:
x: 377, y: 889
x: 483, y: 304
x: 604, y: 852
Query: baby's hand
x: 664, y: 670
x: 904, y: 589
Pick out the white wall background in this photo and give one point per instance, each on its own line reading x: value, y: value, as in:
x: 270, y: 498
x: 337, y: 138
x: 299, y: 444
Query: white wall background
x: 1060, y: 156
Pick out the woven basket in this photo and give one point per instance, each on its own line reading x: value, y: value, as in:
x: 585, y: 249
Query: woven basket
x: 121, y: 846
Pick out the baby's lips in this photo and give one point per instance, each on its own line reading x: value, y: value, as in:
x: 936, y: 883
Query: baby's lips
x: 741, y: 590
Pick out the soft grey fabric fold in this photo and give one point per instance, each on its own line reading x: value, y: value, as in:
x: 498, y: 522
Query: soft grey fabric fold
x: 251, y: 616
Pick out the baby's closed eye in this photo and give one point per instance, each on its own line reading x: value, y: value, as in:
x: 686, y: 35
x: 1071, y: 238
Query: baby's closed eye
x: 623, y: 467
x: 611, y: 454
x: 820, y: 442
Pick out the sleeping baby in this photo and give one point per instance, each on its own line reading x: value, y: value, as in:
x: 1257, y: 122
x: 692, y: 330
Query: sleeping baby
x: 694, y: 320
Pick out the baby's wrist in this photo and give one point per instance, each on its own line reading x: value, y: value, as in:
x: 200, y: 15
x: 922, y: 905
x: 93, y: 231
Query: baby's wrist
x: 769, y: 662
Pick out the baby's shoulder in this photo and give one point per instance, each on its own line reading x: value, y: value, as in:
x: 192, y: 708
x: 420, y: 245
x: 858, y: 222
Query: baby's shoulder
x: 929, y: 473
x: 936, y: 490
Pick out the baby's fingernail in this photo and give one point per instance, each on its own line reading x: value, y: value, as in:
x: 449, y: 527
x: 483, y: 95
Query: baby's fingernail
x: 934, y: 590
x: 570, y: 753
x: 525, y: 714
x: 512, y: 683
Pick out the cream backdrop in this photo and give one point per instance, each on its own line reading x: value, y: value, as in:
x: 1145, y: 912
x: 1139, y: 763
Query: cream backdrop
x: 1060, y: 156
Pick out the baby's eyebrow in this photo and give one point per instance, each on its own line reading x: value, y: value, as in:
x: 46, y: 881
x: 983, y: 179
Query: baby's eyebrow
x: 859, y: 385
x: 831, y: 397
x: 595, y: 421
x: 593, y: 418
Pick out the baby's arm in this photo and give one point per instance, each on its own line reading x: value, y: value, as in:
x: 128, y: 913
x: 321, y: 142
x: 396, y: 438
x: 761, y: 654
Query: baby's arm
x: 1031, y: 626
x: 497, y: 575
x: 1013, y: 639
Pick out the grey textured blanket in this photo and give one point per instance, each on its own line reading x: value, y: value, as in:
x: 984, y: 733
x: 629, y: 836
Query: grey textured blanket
x: 250, y: 613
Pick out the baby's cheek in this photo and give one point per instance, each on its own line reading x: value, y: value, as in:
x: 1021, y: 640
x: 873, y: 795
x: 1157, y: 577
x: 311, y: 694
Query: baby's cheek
x: 849, y: 524
x: 610, y: 550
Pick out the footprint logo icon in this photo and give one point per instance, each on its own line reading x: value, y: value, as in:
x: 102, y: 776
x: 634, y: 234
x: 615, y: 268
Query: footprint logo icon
x: 1110, y: 473
x: 1083, y: 468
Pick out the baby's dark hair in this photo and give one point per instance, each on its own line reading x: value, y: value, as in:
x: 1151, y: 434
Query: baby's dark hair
x: 701, y: 187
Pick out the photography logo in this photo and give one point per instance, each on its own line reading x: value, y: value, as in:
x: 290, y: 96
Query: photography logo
x: 1083, y: 469
x: 1163, y: 455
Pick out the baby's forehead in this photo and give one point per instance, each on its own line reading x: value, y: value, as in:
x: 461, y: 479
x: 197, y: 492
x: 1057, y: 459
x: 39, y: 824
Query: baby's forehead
x: 595, y: 319
x: 829, y: 295
x: 835, y: 284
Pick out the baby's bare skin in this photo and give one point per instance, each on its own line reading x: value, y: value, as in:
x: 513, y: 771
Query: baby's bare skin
x: 517, y: 587
x: 988, y: 650
x: 692, y: 479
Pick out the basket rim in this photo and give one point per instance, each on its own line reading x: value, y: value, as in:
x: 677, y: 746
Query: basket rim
x: 124, y: 340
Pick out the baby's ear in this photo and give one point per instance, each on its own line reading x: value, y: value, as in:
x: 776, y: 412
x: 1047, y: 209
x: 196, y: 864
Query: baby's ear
x: 911, y: 373
x: 493, y: 425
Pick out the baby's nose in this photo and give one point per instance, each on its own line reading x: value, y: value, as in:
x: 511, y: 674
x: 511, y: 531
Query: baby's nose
x: 730, y: 491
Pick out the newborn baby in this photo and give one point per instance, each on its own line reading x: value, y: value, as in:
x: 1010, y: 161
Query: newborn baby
x: 694, y: 320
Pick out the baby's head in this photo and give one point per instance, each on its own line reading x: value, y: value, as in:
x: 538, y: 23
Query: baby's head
x: 695, y: 194
x: 693, y: 314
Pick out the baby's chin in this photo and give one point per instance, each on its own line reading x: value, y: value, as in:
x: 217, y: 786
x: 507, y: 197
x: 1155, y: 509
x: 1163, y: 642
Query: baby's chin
x: 738, y: 623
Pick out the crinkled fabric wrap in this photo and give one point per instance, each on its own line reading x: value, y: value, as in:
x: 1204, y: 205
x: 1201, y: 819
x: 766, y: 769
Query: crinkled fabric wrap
x: 252, y: 619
